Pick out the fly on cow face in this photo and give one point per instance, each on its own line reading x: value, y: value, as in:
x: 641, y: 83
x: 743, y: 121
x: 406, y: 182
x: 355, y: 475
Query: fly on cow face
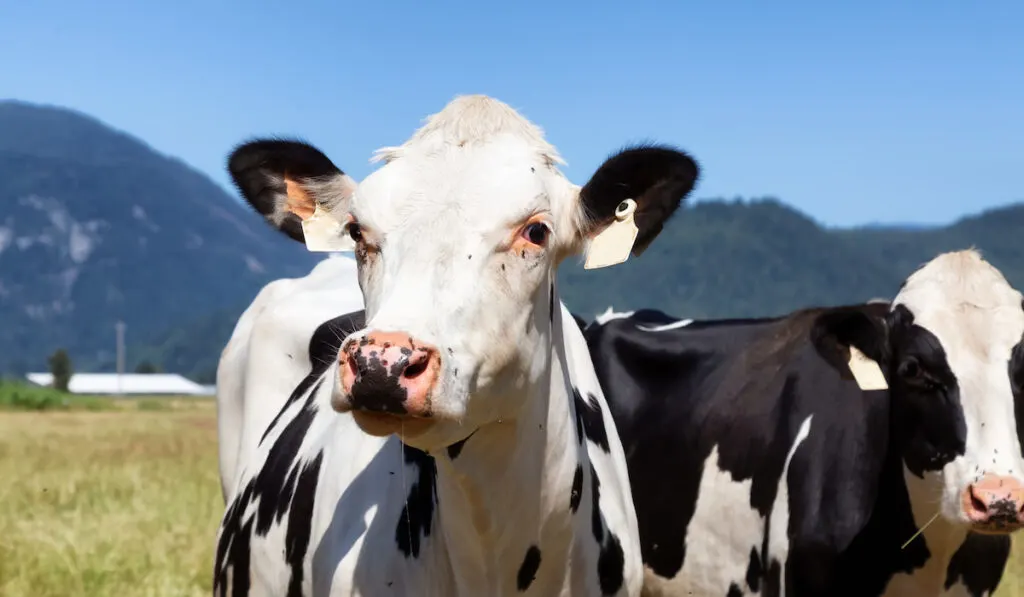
x: 457, y: 237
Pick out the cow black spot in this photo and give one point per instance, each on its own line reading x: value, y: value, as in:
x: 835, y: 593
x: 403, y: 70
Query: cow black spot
x: 274, y: 484
x: 597, y: 525
x: 528, y: 569
x: 577, y: 489
x: 589, y: 420
x: 978, y: 563
x: 455, y: 449
x: 734, y: 591
x: 300, y: 523
x: 417, y: 516
x: 233, y: 547
x: 611, y: 560
x: 551, y: 303
x: 611, y: 563
x: 754, y: 571
x: 773, y: 580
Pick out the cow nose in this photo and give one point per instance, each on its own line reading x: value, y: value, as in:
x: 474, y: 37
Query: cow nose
x: 995, y: 500
x: 389, y: 372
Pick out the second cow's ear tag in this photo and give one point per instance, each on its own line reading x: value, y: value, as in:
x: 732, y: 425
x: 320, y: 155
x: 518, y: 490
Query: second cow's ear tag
x: 866, y: 372
x: 324, y: 233
x: 613, y: 244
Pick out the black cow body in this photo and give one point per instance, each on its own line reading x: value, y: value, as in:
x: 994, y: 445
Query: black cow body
x: 759, y: 466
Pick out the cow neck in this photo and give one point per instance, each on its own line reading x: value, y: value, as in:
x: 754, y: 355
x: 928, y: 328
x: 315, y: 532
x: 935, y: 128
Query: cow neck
x: 509, y: 487
x: 941, y: 537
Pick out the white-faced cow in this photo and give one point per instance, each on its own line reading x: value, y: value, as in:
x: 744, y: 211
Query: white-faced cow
x: 760, y: 467
x: 453, y: 440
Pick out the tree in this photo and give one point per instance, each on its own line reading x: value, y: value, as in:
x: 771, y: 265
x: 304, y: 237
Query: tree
x: 61, y: 369
x: 146, y: 367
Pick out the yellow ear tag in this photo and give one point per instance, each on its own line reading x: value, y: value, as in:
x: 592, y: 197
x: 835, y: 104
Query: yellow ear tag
x: 613, y: 244
x: 324, y: 233
x: 867, y: 372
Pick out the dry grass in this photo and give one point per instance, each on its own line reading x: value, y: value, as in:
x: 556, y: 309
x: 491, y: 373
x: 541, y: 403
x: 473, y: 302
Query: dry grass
x: 126, y: 502
x: 117, y: 503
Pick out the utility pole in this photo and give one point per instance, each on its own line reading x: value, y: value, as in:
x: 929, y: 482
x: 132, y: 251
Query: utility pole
x: 119, y: 326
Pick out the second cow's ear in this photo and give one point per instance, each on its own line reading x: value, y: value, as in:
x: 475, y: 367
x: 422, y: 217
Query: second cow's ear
x: 635, y: 191
x: 855, y: 338
x: 289, y: 182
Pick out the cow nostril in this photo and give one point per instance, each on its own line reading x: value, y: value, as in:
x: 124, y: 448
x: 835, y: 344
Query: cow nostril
x: 353, y: 367
x: 416, y: 368
x: 977, y: 504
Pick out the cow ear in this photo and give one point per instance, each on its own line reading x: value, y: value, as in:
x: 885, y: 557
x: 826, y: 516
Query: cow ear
x: 629, y: 198
x: 285, y: 181
x: 860, y: 326
x: 854, y: 340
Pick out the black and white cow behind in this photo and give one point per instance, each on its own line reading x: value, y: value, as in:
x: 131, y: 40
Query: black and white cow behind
x: 451, y: 440
x: 760, y: 467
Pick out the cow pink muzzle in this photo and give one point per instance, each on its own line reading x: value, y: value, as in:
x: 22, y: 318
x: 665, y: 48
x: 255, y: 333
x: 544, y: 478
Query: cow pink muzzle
x: 389, y: 373
x: 994, y: 504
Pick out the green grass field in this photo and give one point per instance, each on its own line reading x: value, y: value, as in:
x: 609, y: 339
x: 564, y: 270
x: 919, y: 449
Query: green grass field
x: 123, y: 499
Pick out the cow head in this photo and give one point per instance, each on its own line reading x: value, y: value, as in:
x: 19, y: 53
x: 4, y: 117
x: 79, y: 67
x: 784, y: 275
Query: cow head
x: 457, y: 237
x: 951, y: 351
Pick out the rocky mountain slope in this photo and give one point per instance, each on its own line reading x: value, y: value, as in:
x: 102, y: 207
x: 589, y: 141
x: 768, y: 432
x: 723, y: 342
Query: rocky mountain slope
x: 95, y: 226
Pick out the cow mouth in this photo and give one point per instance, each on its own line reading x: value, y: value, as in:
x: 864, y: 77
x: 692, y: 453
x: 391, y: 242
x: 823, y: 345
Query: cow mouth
x: 382, y: 424
x: 997, y: 528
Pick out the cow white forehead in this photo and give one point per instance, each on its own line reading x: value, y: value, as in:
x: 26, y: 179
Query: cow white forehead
x: 477, y: 162
x: 967, y: 303
x: 471, y: 120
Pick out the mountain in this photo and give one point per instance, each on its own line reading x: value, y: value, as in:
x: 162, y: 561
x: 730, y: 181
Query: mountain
x: 95, y: 226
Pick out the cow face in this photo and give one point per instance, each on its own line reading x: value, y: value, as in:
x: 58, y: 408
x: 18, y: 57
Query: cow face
x: 457, y: 237
x: 951, y: 351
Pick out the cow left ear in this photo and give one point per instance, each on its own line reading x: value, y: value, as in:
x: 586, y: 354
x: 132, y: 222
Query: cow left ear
x: 627, y: 201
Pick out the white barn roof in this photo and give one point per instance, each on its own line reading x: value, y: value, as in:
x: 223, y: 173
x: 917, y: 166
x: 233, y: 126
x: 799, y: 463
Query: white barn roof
x: 130, y: 383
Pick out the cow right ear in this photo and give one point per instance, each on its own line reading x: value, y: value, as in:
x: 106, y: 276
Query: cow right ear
x: 290, y: 183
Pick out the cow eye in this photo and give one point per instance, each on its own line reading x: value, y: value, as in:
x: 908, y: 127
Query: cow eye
x: 910, y: 369
x: 355, y: 232
x: 536, y: 233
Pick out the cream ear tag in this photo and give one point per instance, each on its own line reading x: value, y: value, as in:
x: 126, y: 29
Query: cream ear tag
x: 613, y: 244
x: 867, y: 372
x: 324, y: 233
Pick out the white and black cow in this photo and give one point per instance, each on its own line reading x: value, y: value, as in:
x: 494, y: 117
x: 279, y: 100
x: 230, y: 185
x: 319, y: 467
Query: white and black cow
x: 759, y: 466
x: 440, y: 443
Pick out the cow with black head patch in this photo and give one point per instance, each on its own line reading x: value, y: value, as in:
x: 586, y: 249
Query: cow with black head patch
x: 863, y: 450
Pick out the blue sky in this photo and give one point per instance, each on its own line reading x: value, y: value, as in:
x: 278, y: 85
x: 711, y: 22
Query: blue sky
x: 870, y: 111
